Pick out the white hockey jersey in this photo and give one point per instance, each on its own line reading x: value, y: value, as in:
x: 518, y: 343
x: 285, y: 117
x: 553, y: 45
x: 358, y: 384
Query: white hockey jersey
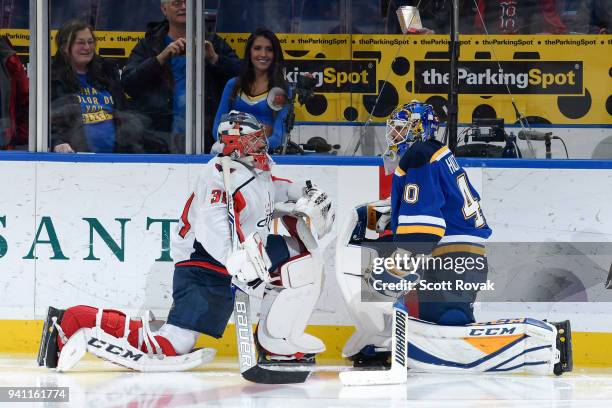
x: 202, y: 237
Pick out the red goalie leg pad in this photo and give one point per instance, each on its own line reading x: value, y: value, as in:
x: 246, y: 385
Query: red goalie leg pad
x: 113, y: 323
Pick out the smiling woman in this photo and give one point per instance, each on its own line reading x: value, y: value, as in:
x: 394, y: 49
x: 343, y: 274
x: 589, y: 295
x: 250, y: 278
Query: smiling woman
x: 87, y: 98
x: 262, y: 70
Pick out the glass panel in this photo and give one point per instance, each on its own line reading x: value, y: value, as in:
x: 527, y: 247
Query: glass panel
x: 14, y: 98
x: 396, y: 64
x: 367, y: 17
x: 115, y: 90
x: 222, y: 64
x: 240, y: 16
x: 321, y: 17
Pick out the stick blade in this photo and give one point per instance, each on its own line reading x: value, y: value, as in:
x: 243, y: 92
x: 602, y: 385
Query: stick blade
x: 373, y: 377
x: 260, y: 375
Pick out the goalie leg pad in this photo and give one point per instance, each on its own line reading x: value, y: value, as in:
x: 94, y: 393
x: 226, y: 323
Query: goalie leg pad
x: 138, y: 349
x: 299, y: 271
x: 285, y: 311
x: 353, y: 261
x: 119, y: 351
x: 508, y: 345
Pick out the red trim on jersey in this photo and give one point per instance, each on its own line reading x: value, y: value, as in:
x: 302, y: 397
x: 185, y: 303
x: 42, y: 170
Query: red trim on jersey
x: 239, y: 205
x: 186, y: 224
x: 204, y: 264
x: 274, y: 178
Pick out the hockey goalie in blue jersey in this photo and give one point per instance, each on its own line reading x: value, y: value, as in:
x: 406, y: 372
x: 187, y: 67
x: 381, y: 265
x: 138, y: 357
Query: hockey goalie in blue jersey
x: 433, y: 233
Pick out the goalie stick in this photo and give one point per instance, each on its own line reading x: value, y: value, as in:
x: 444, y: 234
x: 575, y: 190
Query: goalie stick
x: 249, y: 368
x: 398, y: 374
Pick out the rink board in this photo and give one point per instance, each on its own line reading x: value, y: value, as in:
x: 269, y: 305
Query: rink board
x: 92, y: 230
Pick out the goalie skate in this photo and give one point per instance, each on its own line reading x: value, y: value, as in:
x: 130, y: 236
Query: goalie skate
x: 266, y: 358
x: 370, y: 357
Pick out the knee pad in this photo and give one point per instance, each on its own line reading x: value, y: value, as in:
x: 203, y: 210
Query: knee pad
x: 300, y: 271
x: 285, y: 310
x: 353, y: 258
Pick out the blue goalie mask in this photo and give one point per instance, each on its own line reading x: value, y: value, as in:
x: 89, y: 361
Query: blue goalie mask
x: 409, y: 123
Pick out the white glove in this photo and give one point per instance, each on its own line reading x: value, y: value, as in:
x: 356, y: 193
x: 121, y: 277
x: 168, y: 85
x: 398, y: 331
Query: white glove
x: 251, y: 261
x: 317, y: 205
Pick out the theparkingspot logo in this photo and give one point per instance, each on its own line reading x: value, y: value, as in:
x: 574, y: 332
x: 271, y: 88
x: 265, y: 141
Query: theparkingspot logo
x: 336, y: 76
x: 487, y: 77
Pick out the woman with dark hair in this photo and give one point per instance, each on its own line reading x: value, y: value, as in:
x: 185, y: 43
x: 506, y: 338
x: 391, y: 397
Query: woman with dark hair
x: 87, y: 98
x: 262, y: 70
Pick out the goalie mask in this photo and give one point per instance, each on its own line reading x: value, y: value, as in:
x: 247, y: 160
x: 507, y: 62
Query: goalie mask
x: 407, y: 124
x: 244, y: 139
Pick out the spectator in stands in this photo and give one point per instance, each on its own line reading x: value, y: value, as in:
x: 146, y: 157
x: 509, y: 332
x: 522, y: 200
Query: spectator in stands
x: 155, y: 77
x: 14, y: 99
x: 87, y: 99
x: 262, y: 70
x: 575, y: 15
x: 601, y: 16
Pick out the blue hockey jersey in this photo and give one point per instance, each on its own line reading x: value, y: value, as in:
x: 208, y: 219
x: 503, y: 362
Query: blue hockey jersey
x: 433, y: 202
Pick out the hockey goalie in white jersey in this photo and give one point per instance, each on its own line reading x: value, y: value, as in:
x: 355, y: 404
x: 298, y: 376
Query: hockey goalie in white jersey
x: 434, y: 215
x: 205, y: 265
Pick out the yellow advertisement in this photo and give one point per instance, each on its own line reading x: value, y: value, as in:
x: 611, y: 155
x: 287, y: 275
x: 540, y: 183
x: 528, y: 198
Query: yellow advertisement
x: 561, y: 80
x: 553, y: 79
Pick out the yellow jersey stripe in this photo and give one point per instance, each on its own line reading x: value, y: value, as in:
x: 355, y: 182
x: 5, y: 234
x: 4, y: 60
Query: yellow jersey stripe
x: 400, y: 172
x: 447, y: 249
x: 420, y: 229
x: 441, y: 152
x: 250, y: 98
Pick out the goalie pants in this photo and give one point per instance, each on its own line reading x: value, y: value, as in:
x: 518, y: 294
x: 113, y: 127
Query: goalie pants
x: 453, y: 306
x: 203, y: 300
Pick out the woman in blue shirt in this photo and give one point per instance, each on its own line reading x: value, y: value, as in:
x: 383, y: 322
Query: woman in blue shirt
x: 262, y: 70
x: 87, y: 98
